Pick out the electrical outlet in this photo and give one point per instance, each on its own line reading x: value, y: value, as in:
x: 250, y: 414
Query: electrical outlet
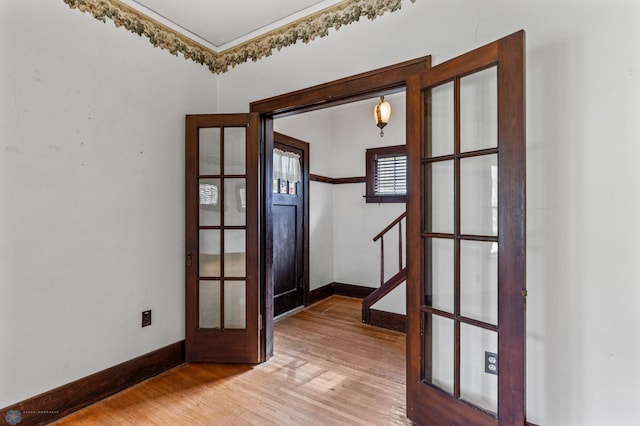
x: 491, y: 363
x: 146, y: 318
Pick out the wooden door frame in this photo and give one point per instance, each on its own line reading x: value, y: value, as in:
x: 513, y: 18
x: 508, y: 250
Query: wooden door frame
x: 379, y: 82
x: 304, y: 147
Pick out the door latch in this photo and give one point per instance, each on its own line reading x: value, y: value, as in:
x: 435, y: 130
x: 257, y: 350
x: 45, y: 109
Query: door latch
x: 189, y: 260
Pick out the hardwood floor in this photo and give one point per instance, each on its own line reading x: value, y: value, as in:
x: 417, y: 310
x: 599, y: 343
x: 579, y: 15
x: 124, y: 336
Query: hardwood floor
x: 328, y: 369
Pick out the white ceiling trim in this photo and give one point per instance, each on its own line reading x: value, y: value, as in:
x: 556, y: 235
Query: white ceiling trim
x: 305, y: 29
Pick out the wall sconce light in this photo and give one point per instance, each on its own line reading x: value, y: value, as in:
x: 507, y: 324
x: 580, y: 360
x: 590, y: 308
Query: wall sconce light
x: 381, y: 113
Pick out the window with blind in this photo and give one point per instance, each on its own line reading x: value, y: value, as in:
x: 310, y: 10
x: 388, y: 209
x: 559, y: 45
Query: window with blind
x: 387, y: 174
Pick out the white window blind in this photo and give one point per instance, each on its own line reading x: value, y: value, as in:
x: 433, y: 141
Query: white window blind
x: 391, y: 175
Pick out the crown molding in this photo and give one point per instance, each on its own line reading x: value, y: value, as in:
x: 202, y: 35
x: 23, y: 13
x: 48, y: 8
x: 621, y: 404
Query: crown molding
x: 305, y: 30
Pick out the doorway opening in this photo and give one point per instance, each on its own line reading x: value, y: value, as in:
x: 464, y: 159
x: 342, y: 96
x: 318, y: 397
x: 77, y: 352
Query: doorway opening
x: 342, y: 221
x: 382, y: 82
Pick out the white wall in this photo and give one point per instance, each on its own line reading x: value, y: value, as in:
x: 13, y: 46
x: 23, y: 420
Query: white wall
x: 91, y: 183
x: 583, y: 183
x: 356, y: 256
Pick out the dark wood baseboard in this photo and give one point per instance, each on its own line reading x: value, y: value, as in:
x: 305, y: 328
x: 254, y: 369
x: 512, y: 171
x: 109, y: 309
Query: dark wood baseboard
x: 64, y: 400
x: 388, y: 320
x: 321, y: 293
x: 350, y: 290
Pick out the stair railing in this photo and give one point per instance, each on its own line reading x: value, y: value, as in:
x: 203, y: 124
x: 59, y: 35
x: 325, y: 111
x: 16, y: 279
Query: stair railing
x: 386, y: 287
x: 380, y: 236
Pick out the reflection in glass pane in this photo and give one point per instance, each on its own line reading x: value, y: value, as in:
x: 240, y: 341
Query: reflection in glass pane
x: 479, y: 195
x: 479, y: 281
x: 440, y: 121
x: 235, y: 145
x: 479, y: 110
x: 234, y: 253
x: 439, y: 270
x: 209, y: 304
x: 209, y: 151
x: 235, y: 202
x: 235, y: 314
x: 209, y: 259
x: 439, y: 183
x: 210, y: 202
x: 476, y: 386
x: 439, y: 352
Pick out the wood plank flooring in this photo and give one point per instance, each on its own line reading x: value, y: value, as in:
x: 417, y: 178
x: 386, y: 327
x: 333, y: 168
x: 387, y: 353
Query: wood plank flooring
x: 328, y: 369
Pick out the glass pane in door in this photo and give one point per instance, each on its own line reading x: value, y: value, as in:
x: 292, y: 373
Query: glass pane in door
x: 477, y: 386
x: 439, y: 206
x: 439, y: 351
x: 235, y: 253
x: 209, y: 151
x: 210, y: 193
x: 235, y: 149
x: 235, y: 201
x: 479, y: 110
x: 235, y: 315
x: 479, y: 195
x: 209, y: 258
x: 479, y: 281
x: 440, y: 274
x: 440, y: 122
x: 209, y: 304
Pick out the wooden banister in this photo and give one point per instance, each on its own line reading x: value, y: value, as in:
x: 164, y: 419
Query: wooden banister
x: 386, y: 287
x: 381, y: 292
x: 388, y: 228
x: 380, y: 236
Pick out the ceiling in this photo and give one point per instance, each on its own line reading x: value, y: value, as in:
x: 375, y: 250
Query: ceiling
x: 224, y: 33
x: 225, y: 23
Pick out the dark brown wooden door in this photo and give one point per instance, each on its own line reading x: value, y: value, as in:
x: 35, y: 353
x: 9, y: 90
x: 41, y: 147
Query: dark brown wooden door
x: 222, y: 201
x: 288, y: 213
x: 466, y: 239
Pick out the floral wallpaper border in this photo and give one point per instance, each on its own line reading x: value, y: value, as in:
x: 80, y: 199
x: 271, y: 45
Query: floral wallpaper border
x: 305, y: 29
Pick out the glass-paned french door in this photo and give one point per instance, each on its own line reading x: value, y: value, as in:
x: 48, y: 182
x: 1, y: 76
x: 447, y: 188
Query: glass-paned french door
x: 222, y: 245
x: 466, y: 237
